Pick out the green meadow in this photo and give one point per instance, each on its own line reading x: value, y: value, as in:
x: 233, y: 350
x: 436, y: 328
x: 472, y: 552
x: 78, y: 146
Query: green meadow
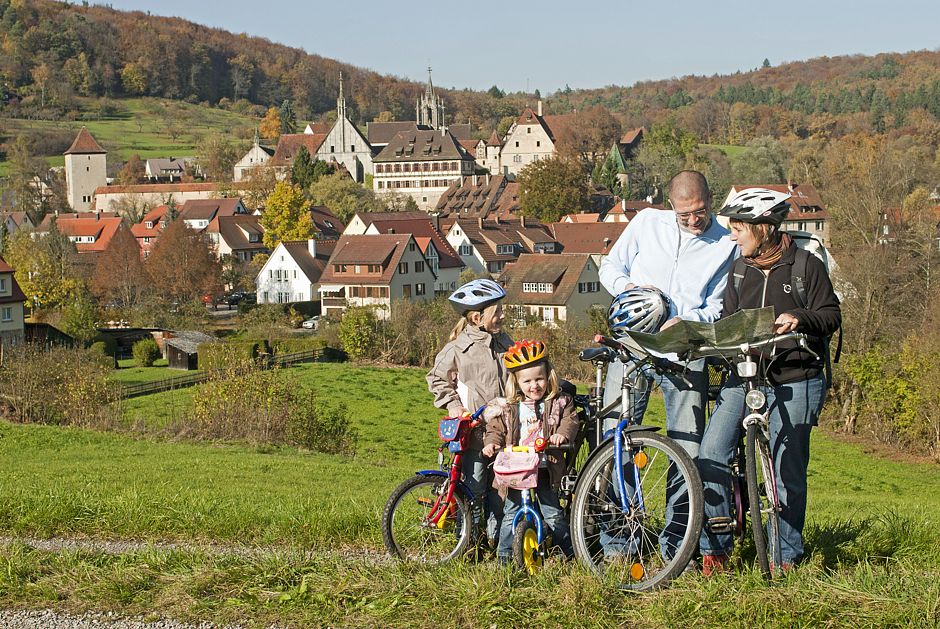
x: 872, y: 532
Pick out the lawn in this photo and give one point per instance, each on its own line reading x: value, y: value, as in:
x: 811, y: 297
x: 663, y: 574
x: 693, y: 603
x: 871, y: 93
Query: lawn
x: 872, y: 535
x: 728, y: 149
x: 129, y: 373
x: 141, y: 126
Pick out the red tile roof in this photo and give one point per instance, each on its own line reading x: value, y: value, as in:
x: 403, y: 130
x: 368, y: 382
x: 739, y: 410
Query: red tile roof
x: 325, y: 222
x: 312, y: 266
x: 84, y: 144
x: 384, y: 249
x: 595, y: 238
x: 290, y: 143
x: 469, y: 144
x: 493, y: 233
x: 423, y: 231
x: 632, y: 136
x: 103, y: 229
x: 582, y: 217
x: 488, y: 199
x: 563, y: 270
x: 162, y: 188
x: 207, y: 209
x: 16, y: 293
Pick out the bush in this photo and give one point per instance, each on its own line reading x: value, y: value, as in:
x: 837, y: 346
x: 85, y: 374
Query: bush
x: 290, y: 346
x: 99, y: 351
x: 146, y: 352
x: 57, y: 386
x: 359, y: 332
x: 231, y: 355
x: 266, y: 406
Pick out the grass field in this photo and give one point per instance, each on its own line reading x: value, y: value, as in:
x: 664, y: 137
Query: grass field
x: 142, y: 127
x: 129, y: 373
x: 728, y: 149
x: 872, y: 536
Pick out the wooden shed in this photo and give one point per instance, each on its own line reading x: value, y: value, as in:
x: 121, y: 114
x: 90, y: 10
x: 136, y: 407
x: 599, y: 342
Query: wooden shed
x: 181, y: 348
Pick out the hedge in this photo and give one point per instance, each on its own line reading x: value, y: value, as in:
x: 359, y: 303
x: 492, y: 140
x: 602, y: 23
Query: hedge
x: 293, y: 345
x: 232, y: 354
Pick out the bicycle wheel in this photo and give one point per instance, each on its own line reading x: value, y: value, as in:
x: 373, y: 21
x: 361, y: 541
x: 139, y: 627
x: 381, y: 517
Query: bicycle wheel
x: 526, y: 553
x: 762, y: 498
x: 651, y: 543
x: 406, y: 530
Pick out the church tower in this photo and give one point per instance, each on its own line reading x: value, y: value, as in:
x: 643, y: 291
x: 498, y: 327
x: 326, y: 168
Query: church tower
x: 85, y: 170
x: 429, y: 110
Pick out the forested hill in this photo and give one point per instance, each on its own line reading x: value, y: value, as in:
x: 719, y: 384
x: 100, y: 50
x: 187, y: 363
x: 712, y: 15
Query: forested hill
x: 828, y: 96
x: 54, y: 52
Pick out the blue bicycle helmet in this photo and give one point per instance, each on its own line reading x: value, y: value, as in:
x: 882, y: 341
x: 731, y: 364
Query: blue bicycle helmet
x: 476, y: 295
x: 637, y: 310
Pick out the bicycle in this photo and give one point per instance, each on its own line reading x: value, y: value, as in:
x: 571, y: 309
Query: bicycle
x: 530, y: 543
x: 429, y: 517
x: 754, y: 455
x: 638, y: 505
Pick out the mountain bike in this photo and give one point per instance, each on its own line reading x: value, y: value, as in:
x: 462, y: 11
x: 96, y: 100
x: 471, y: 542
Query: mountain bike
x: 429, y: 517
x: 753, y: 453
x: 637, y: 510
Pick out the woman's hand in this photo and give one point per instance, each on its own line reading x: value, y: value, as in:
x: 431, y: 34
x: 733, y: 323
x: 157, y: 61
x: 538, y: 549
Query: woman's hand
x: 785, y: 323
x: 557, y: 439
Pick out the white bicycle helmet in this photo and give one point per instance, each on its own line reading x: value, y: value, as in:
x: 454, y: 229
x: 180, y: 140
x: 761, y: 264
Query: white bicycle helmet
x: 637, y: 310
x: 476, y: 295
x: 757, y: 205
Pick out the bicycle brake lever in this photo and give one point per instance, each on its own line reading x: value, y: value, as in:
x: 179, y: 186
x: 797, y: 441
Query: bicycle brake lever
x: 805, y: 346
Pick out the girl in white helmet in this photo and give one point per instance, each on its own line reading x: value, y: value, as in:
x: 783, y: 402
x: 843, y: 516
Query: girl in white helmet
x: 468, y: 372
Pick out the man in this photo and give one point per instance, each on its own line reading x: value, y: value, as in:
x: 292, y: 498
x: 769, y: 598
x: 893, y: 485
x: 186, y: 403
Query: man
x: 687, y: 255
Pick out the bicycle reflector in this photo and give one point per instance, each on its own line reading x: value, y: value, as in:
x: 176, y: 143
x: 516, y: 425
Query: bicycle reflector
x: 755, y: 399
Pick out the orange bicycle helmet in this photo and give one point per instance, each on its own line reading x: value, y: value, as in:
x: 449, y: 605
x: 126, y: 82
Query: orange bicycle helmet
x: 524, y: 353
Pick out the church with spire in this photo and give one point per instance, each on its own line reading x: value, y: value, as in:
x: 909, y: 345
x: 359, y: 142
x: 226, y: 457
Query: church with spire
x: 429, y: 109
x: 344, y: 145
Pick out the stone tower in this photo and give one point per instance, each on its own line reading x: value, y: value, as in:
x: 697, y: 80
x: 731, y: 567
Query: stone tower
x: 85, y: 170
x: 429, y: 110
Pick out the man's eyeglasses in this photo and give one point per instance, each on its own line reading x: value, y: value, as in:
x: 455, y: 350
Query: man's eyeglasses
x: 685, y: 216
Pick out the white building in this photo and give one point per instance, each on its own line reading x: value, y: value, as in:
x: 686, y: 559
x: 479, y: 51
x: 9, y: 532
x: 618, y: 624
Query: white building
x: 344, y: 144
x: 256, y: 157
x: 532, y: 137
x: 85, y: 171
x: 292, y: 272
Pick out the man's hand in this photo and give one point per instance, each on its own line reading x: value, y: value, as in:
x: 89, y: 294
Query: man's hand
x: 557, y: 439
x: 489, y: 449
x: 785, y: 323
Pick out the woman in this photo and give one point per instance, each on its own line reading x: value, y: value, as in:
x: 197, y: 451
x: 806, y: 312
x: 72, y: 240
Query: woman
x: 797, y: 382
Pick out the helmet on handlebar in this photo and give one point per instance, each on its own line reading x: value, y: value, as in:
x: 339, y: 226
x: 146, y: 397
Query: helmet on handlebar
x: 637, y: 310
x: 476, y: 295
x: 757, y: 205
x: 524, y: 353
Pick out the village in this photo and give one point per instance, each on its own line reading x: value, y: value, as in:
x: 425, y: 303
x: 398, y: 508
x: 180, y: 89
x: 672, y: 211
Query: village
x: 462, y: 218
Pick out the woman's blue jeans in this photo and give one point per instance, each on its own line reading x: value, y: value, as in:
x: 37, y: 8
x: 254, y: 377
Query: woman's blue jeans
x: 794, y: 410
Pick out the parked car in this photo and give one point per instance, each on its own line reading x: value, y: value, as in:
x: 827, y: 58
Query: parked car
x: 311, y: 323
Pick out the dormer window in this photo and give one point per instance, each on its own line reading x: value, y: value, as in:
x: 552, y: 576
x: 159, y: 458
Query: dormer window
x: 149, y: 224
x: 505, y: 250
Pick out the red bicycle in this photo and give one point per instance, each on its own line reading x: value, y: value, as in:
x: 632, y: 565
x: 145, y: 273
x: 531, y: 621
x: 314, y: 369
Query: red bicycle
x: 429, y: 517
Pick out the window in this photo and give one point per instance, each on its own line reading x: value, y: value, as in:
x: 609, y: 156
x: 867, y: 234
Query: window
x: 548, y: 315
x: 505, y: 250
x: 403, y: 268
x: 588, y: 287
x: 538, y: 143
x: 3, y: 284
x: 358, y: 269
x: 419, y: 289
x: 352, y: 148
x: 517, y: 159
x: 419, y: 267
x: 332, y: 149
x: 466, y: 250
x: 536, y: 287
x: 149, y: 224
x: 406, y: 291
x: 517, y: 145
x: 819, y: 226
x: 411, y: 246
x: 146, y: 239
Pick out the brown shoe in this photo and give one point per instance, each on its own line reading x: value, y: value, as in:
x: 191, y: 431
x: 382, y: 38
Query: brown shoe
x: 714, y: 564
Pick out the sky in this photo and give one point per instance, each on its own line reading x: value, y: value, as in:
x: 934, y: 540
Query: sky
x: 546, y: 45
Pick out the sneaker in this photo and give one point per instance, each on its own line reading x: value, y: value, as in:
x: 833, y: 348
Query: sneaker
x: 714, y: 564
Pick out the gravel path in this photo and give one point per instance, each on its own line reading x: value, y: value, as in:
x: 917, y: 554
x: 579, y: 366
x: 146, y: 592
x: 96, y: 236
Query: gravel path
x: 48, y: 619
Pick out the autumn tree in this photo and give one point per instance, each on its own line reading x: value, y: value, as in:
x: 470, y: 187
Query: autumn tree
x: 25, y: 171
x: 120, y: 277
x: 666, y: 149
x: 763, y: 162
x: 551, y: 188
x: 589, y: 135
x: 181, y: 266
x: 343, y: 196
x: 46, y: 267
x: 270, y: 127
x: 132, y: 172
x: 286, y: 215
x: 216, y: 156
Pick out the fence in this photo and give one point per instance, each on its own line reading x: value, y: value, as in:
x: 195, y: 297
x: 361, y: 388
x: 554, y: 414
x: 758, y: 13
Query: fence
x: 180, y: 382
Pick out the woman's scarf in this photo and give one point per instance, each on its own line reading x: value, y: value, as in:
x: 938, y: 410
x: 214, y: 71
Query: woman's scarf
x: 770, y: 255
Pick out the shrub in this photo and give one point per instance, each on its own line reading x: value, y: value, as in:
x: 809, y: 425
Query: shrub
x: 99, y: 351
x: 146, y: 352
x: 231, y: 355
x: 290, y: 346
x: 57, y: 385
x: 266, y: 406
x: 359, y: 333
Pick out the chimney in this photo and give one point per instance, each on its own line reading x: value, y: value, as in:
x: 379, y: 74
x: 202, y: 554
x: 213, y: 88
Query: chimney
x: 391, y: 230
x: 540, y: 108
x: 522, y: 221
x: 479, y: 222
x: 790, y: 186
x: 436, y: 220
x: 487, y: 178
x: 623, y: 205
x: 312, y: 247
x: 474, y: 179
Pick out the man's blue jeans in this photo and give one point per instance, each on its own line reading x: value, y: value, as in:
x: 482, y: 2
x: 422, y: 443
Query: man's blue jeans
x: 794, y: 410
x: 685, y: 423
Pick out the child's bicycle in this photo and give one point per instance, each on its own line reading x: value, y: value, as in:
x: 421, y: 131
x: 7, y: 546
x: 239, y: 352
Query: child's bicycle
x: 529, y: 541
x: 637, y: 510
x: 429, y: 517
x: 753, y: 453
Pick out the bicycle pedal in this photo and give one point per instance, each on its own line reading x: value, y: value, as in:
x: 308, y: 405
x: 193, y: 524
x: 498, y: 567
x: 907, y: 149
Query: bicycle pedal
x: 720, y: 525
x: 568, y: 482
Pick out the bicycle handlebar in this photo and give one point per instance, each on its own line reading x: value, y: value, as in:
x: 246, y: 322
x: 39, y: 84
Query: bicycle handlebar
x: 743, y: 348
x: 659, y: 364
x: 565, y: 447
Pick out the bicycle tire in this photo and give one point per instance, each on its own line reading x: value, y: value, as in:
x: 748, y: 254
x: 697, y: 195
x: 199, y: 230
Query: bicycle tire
x: 601, y: 532
x: 762, y: 498
x: 526, y: 551
x: 405, y: 530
